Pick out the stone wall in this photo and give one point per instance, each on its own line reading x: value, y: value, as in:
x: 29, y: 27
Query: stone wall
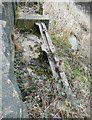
x: 11, y: 103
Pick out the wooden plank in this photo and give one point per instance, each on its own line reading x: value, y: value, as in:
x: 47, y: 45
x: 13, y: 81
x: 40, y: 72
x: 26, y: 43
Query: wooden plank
x: 56, y: 67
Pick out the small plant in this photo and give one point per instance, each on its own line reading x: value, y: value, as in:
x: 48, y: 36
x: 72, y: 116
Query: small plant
x: 77, y: 72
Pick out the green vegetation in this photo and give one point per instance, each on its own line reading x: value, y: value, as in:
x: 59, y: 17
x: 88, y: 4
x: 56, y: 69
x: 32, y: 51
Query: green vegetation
x: 43, y: 72
x: 36, y: 81
x: 72, y: 62
x: 60, y: 45
x: 77, y: 72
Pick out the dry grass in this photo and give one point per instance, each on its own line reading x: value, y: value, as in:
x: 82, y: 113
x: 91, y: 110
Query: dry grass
x: 67, y: 19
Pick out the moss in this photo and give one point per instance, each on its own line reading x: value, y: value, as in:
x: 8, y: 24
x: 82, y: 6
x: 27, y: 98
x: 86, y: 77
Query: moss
x: 42, y: 72
x: 83, y: 79
x: 77, y: 72
x: 66, y: 64
x: 17, y: 11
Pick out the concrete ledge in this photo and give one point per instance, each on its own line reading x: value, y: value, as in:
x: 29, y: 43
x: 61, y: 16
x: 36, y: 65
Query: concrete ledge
x: 27, y: 21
